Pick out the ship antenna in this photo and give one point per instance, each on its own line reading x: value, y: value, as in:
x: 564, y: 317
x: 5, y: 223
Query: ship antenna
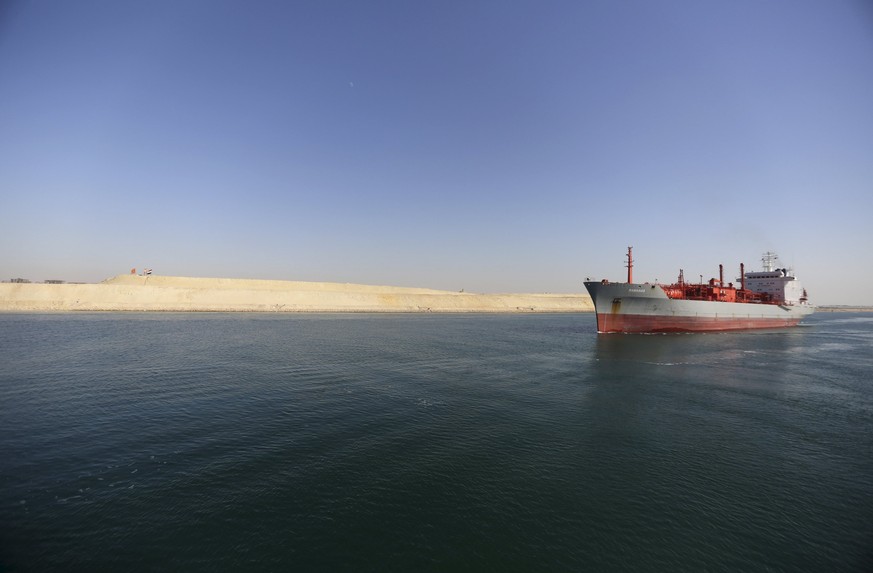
x: 630, y: 265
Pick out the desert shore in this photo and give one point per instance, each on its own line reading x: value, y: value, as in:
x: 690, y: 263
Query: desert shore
x: 184, y: 294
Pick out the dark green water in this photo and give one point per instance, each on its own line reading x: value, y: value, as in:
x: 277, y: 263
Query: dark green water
x: 202, y: 442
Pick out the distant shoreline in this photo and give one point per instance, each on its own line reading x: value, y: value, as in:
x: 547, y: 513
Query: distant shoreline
x: 185, y: 294
x: 137, y: 293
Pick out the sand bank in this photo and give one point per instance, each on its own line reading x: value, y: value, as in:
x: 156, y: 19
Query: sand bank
x: 183, y: 294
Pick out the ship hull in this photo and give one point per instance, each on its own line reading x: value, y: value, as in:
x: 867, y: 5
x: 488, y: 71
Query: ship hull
x: 643, y: 308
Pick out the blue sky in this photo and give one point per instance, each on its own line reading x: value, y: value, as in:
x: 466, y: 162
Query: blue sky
x: 490, y: 146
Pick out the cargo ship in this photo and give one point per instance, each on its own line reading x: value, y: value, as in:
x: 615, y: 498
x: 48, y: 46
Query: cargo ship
x: 772, y: 298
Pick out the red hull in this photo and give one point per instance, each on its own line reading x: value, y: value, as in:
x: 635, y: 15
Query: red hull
x: 607, y: 322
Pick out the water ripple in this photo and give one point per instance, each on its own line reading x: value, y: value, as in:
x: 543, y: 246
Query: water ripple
x: 360, y: 442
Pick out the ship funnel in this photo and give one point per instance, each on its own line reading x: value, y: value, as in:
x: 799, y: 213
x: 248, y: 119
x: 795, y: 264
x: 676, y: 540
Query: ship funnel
x: 742, y: 276
x: 630, y: 265
x: 720, y: 275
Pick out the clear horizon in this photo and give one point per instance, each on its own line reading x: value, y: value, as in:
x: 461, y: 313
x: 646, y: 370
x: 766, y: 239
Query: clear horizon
x: 482, y: 146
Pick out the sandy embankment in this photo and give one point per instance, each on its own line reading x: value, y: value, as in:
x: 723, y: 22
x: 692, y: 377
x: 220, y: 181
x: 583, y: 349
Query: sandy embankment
x: 181, y: 294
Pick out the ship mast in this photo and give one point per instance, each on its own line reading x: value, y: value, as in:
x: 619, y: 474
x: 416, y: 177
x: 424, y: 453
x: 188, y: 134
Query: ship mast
x: 630, y: 265
x: 768, y: 259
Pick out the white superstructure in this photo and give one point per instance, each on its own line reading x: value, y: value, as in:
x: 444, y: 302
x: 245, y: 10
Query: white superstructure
x: 779, y: 283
